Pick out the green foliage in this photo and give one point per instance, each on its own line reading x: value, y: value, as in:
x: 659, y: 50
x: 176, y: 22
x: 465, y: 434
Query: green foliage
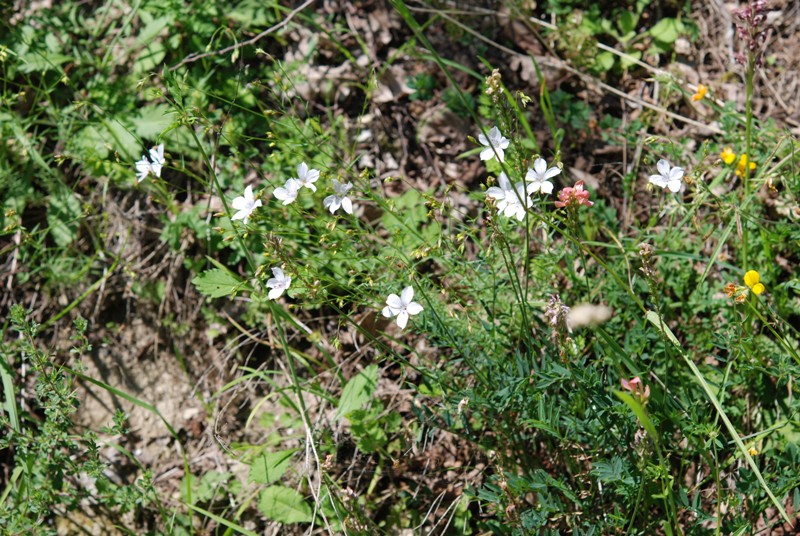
x: 284, y: 505
x: 493, y: 366
x: 52, y: 463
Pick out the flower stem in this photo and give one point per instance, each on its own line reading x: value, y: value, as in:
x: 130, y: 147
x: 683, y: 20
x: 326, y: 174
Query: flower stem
x: 751, y: 62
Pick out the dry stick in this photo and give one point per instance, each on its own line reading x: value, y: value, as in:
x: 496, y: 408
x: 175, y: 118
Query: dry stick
x: 195, y: 56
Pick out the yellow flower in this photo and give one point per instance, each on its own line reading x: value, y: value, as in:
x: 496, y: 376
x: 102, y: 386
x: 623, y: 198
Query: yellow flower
x: 752, y: 451
x: 701, y: 92
x: 744, y: 166
x: 727, y: 155
x: 751, y: 278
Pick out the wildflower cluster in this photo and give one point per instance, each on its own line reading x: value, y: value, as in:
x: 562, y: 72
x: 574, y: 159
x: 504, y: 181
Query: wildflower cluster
x: 752, y: 281
x: 573, y: 197
x: 636, y: 388
x: 749, y: 29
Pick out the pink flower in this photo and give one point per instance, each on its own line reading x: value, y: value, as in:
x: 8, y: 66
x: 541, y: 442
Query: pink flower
x: 573, y: 196
x: 635, y: 387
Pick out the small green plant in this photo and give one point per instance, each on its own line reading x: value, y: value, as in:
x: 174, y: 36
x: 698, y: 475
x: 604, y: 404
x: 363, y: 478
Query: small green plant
x: 56, y: 471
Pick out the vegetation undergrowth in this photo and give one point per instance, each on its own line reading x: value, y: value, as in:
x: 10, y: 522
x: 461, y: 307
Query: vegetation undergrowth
x: 494, y: 339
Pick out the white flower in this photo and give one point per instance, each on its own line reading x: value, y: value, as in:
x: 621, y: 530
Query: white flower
x: 288, y: 192
x: 144, y: 166
x: 157, y: 157
x: 495, y: 145
x: 668, y: 177
x: 339, y: 199
x: 539, y: 175
x: 142, y: 169
x: 402, y: 306
x: 509, y: 200
x: 245, y: 205
x: 278, y: 284
x: 307, y: 177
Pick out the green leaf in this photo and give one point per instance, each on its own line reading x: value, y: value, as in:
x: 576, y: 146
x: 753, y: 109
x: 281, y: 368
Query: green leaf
x: 627, y: 23
x: 217, y: 283
x: 630, y: 59
x: 604, y: 61
x: 63, y: 216
x: 640, y: 413
x: 667, y: 30
x: 284, y: 505
x: 270, y: 466
x: 358, y: 390
x: 152, y: 121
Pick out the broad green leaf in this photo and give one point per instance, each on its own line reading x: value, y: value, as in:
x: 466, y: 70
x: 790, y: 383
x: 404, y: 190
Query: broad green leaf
x: 630, y: 59
x: 284, y: 505
x: 358, y: 390
x: 604, y: 61
x: 667, y: 30
x: 151, y: 121
x: 268, y: 467
x: 63, y: 216
x: 217, y: 283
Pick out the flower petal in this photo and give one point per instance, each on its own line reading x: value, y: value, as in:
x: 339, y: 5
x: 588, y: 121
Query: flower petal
x: 540, y: 166
x: 278, y: 272
x: 547, y: 187
x: 414, y: 308
x: 663, y: 167
x: 402, y: 319
x: 495, y: 193
x: 394, y: 301
x: 347, y: 205
x: 674, y: 185
x: 388, y: 312
x: 487, y: 154
x: 407, y: 295
x: 658, y: 180
x: 275, y: 293
x: 552, y: 172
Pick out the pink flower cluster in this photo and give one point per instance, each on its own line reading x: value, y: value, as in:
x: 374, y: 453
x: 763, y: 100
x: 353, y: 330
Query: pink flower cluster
x: 574, y: 196
x: 636, y: 387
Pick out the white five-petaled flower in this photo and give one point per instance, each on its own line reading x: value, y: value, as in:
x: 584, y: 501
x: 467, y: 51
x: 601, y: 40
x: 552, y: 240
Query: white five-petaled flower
x: 509, y: 199
x: 307, y: 177
x: 245, y: 205
x: 539, y: 176
x: 402, y: 306
x: 144, y: 166
x: 339, y: 199
x: 495, y: 145
x: 278, y: 284
x: 288, y: 192
x: 668, y: 177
